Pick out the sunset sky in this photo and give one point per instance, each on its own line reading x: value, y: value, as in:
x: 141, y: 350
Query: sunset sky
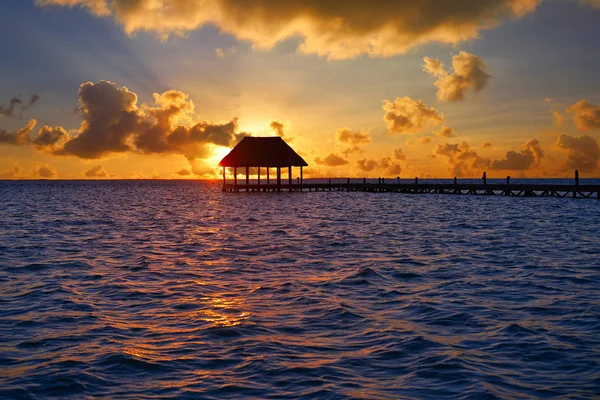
x: 95, y: 89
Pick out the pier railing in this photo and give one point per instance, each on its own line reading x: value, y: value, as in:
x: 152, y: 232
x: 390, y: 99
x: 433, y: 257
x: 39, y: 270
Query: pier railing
x: 381, y: 185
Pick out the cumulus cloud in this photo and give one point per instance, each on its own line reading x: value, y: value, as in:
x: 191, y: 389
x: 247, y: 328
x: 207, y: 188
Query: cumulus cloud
x: 110, y: 117
x: 49, y: 137
x: 485, y: 145
x: 469, y: 75
x: 583, y: 152
x: 445, y: 132
x: 18, y: 137
x: 463, y: 161
x: 322, y: 27
x: 399, y: 155
x: 347, y: 136
x: 407, y: 116
x: 332, y: 160
x: 386, y: 165
x: 586, y: 116
x: 44, y: 171
x: 434, y: 67
x: 528, y: 157
x: 97, y: 171
x: 113, y: 122
x: 184, y: 172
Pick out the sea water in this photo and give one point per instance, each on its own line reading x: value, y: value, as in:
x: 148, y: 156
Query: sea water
x: 174, y: 289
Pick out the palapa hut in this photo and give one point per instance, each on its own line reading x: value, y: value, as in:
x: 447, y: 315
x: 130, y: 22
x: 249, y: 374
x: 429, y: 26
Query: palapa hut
x: 262, y: 152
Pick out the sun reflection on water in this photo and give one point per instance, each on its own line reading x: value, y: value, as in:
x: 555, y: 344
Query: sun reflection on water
x: 224, y: 312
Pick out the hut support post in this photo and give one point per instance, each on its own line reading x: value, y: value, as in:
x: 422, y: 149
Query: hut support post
x: 235, y: 177
x: 224, y: 182
x: 278, y: 178
x: 258, y: 178
x: 301, y: 179
x: 268, y: 180
x: 290, y: 176
x: 247, y: 178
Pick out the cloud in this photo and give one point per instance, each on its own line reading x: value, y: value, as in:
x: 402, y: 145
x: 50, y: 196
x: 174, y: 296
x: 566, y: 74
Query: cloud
x: 434, y: 67
x: 347, y: 136
x: 184, y: 172
x: 445, y: 132
x: 463, y: 161
x: 44, y: 171
x: 586, y: 116
x: 110, y: 118
x: 49, y: 137
x: 399, y: 155
x: 18, y: 137
x: 15, y: 104
x: 113, y: 122
x: 225, y: 53
x: 278, y: 127
x: 485, y: 145
x: 559, y: 119
x: 407, y: 116
x: 13, y: 173
x: 469, y: 75
x: 97, y: 171
x: 332, y: 160
x: 420, y: 141
x: 322, y: 27
x: 466, y: 162
x: 530, y: 156
x: 386, y: 165
x: 583, y: 152
x: 592, y: 3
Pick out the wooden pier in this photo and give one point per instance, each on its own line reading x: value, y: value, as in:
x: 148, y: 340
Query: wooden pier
x: 523, y: 190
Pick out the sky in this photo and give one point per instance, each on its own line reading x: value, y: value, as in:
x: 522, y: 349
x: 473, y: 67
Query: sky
x: 133, y: 89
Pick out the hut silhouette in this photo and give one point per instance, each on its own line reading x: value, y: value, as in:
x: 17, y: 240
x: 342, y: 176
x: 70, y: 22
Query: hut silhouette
x: 262, y: 152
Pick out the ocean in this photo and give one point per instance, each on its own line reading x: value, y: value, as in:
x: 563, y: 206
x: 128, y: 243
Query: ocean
x: 174, y: 289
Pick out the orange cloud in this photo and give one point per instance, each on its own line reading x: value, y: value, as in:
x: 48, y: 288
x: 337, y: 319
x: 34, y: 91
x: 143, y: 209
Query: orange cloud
x: 13, y: 173
x: 324, y: 28
x: 469, y: 75
x: 97, y: 171
x: 407, y: 116
x: 586, y: 116
x: 278, y: 127
x: 463, y: 161
x: 18, y: 137
x: 332, y: 160
x: 386, y: 165
x: 530, y: 156
x: 44, y: 171
x: 347, y: 136
x: 583, y: 152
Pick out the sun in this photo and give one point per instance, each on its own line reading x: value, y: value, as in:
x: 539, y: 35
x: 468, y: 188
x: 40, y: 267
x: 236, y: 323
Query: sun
x: 218, y: 152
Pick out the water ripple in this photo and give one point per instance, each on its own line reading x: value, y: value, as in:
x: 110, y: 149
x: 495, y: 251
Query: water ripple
x: 176, y: 290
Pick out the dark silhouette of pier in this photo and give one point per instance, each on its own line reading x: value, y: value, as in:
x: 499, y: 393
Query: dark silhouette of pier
x: 574, y: 190
x: 263, y: 153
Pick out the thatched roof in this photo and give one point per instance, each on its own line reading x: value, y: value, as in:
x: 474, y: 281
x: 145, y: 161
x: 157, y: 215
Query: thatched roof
x: 262, y: 152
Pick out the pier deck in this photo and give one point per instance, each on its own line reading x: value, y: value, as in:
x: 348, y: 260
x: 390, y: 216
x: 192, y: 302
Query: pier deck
x: 526, y: 190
